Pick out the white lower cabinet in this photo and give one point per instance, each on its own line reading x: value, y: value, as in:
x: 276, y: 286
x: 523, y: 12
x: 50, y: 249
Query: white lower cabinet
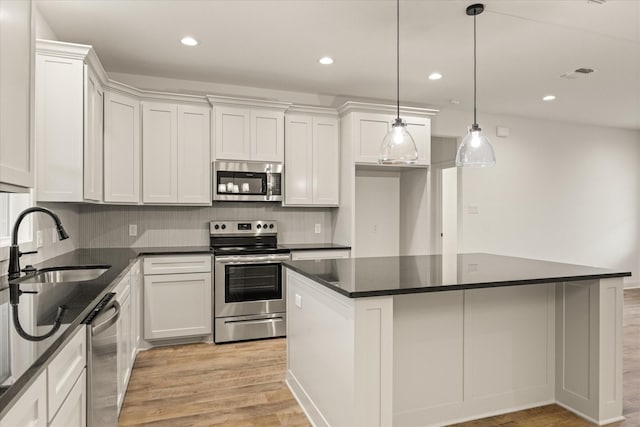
x: 64, y: 369
x: 73, y: 412
x: 58, y: 396
x: 177, y: 305
x: 31, y: 409
x: 124, y: 364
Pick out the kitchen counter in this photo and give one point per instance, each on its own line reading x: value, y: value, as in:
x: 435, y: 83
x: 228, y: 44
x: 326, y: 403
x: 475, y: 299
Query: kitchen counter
x: 367, y: 277
x: 79, y: 298
x: 437, y: 340
x: 313, y: 246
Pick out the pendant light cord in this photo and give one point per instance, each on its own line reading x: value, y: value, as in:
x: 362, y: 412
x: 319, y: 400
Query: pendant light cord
x: 475, y: 120
x: 398, y: 58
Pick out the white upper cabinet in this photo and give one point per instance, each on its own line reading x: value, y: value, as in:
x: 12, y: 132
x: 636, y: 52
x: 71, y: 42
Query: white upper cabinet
x: 175, y: 152
x: 159, y: 153
x: 194, y: 155
x: 369, y: 123
x: 267, y: 135
x: 121, y: 148
x: 248, y: 130
x: 68, y: 122
x: 93, y: 138
x: 312, y: 158
x: 16, y: 102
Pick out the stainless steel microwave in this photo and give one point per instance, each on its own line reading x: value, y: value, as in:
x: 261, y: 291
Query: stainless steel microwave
x: 247, y: 181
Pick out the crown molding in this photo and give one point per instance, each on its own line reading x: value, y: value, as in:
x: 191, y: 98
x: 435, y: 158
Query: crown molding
x: 365, y: 107
x: 215, y: 100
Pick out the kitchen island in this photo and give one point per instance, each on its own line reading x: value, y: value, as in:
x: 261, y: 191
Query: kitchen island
x: 433, y: 340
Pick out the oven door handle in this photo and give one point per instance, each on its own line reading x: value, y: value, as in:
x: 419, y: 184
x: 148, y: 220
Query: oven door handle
x: 256, y: 321
x: 252, y: 260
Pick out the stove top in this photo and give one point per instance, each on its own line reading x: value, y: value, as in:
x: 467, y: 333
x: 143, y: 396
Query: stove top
x: 244, y: 238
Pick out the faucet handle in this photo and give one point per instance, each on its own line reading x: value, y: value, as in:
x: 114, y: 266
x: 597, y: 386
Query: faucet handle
x: 29, y: 269
x: 27, y: 253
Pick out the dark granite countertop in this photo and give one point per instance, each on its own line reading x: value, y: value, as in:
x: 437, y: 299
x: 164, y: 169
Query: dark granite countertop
x: 368, y: 277
x: 79, y: 298
x: 312, y: 246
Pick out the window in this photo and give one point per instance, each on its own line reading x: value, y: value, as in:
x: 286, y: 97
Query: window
x: 10, y: 207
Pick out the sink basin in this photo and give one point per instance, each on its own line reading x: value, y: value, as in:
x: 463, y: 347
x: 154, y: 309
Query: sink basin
x: 66, y: 274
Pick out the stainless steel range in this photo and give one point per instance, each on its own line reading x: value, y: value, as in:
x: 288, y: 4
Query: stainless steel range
x: 249, y: 291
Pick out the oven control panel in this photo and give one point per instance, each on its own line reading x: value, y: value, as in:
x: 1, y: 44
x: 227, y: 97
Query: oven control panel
x: 218, y: 228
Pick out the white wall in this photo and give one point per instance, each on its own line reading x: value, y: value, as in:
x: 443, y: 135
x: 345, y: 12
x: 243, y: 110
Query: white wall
x: 377, y: 205
x: 559, y: 192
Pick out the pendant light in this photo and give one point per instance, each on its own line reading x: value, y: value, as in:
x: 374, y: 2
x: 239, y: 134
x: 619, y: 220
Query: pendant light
x: 475, y: 149
x: 398, y: 147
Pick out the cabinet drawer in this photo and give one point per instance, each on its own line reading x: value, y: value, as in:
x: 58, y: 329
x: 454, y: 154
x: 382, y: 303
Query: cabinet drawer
x: 320, y: 254
x: 73, y: 412
x: 65, y: 369
x: 177, y: 264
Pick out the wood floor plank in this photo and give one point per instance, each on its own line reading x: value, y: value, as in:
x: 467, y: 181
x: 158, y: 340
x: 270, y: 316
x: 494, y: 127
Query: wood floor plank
x: 242, y: 385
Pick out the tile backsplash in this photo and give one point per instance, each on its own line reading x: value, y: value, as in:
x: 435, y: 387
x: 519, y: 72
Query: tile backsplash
x: 108, y: 226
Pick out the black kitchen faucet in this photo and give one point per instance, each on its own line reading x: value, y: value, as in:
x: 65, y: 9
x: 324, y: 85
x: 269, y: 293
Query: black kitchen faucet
x: 14, y: 250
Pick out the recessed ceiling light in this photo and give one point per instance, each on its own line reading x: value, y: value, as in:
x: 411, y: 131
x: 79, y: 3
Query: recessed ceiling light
x: 189, y: 41
x: 548, y: 97
x: 435, y: 76
x: 325, y: 60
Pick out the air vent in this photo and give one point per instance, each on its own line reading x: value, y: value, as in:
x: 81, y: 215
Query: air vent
x: 578, y: 72
x: 596, y: 1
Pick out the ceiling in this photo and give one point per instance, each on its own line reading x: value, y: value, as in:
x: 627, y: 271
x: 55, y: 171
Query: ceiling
x: 523, y: 48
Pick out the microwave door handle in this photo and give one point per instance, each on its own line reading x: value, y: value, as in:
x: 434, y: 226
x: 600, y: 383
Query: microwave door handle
x: 269, y: 186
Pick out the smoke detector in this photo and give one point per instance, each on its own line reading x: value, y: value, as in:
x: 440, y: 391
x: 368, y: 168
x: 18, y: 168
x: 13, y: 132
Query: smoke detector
x: 578, y: 72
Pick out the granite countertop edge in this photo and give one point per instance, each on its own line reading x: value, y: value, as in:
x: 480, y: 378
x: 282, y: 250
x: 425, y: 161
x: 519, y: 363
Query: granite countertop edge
x: 17, y: 389
x: 313, y: 246
x: 453, y: 287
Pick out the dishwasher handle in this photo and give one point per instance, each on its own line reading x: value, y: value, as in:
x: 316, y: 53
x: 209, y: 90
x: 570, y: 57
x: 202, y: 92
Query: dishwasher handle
x: 101, y: 326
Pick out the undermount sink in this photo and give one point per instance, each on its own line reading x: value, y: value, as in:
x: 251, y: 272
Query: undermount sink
x: 66, y: 274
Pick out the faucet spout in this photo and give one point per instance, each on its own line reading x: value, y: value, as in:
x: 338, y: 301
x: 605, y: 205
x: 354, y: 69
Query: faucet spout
x: 14, y: 250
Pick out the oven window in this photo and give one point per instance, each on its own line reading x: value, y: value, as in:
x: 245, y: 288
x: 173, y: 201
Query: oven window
x: 253, y: 282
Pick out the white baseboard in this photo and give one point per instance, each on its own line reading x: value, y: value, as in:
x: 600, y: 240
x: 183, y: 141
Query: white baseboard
x: 310, y: 409
x: 591, y: 420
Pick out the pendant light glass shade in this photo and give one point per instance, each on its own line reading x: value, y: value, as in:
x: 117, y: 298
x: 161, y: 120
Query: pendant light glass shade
x: 398, y: 147
x: 475, y: 149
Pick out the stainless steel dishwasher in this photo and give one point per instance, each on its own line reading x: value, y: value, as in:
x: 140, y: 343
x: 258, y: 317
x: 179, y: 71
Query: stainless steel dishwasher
x: 102, y: 354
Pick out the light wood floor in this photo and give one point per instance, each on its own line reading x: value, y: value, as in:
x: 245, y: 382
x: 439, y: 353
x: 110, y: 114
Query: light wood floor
x: 242, y: 384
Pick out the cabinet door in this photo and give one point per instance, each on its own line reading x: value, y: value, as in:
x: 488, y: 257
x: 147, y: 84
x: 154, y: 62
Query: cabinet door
x: 420, y: 130
x: 73, y: 412
x: 298, y: 173
x: 326, y: 162
x: 159, y: 153
x: 177, y: 305
x: 194, y: 158
x: 124, y: 344
x: 16, y: 102
x: 369, y: 131
x: 93, y: 131
x: 267, y: 136
x: 64, y: 369
x: 31, y: 409
x: 121, y: 149
x: 233, y: 129
x: 59, y: 128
